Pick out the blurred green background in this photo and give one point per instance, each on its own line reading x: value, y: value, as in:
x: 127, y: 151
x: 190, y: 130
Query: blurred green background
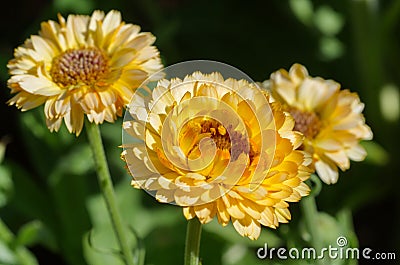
x: 49, y: 197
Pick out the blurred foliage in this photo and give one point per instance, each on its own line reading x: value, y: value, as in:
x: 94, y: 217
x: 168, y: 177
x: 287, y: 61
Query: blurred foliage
x: 51, y: 211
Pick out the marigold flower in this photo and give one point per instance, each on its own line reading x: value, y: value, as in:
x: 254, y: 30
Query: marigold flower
x: 330, y: 119
x: 83, y: 65
x: 216, y: 147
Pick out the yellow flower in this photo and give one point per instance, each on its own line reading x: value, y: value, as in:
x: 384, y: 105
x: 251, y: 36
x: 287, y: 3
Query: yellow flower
x: 83, y: 65
x: 216, y: 147
x: 330, y: 119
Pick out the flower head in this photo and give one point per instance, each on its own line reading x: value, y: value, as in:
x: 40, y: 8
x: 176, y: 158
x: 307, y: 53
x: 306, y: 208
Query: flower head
x: 216, y: 147
x: 330, y: 119
x: 84, y: 65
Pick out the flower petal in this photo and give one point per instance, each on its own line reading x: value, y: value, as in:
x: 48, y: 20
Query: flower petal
x: 39, y: 86
x: 327, y: 171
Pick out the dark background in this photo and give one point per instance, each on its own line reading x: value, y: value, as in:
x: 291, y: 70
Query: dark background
x: 353, y: 42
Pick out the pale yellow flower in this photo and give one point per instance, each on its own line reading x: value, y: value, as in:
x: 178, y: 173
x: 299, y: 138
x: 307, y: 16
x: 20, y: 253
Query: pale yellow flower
x: 216, y: 147
x: 330, y: 118
x: 84, y: 65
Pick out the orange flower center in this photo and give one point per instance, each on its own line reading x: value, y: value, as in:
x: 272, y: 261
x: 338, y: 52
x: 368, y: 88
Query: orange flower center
x: 224, y: 138
x: 79, y: 66
x: 307, y: 123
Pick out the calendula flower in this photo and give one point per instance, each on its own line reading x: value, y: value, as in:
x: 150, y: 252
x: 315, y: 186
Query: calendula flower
x: 219, y: 148
x: 330, y: 118
x: 84, y: 65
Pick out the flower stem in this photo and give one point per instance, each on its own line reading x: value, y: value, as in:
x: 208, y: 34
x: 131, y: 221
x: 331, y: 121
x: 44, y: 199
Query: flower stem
x: 192, y: 247
x: 106, y: 186
x: 310, y: 213
x: 309, y: 209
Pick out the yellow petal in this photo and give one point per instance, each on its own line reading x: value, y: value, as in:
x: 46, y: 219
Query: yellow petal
x: 189, y: 213
x: 74, y: 120
x: 313, y: 92
x: 327, y: 171
x: 39, y: 86
x: 111, y: 21
x: 340, y: 158
x: 44, y: 48
x: 356, y: 153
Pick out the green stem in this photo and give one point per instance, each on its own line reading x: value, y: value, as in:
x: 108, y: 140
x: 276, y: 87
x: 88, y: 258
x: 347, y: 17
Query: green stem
x: 310, y: 213
x: 309, y: 209
x: 106, y: 186
x: 192, y: 247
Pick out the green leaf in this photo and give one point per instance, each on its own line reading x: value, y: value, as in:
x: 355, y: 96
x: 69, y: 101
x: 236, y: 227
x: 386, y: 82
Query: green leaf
x: 100, y: 247
x: 143, y: 219
x: 25, y: 257
x: 11, y: 253
x: 78, y: 161
x: 29, y: 233
x: 335, y: 232
x: 26, y: 188
x: 7, y: 256
x: 68, y: 195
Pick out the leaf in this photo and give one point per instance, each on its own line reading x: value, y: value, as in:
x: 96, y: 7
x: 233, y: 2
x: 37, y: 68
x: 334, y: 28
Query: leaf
x: 68, y: 195
x: 11, y: 253
x: 100, y: 247
x: 6, y: 255
x: 29, y: 233
x: 143, y: 219
x: 25, y: 257
x: 26, y: 189
x: 78, y: 161
x: 335, y: 232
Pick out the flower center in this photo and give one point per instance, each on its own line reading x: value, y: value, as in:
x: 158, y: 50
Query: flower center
x: 224, y: 138
x: 307, y: 123
x: 79, y: 66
